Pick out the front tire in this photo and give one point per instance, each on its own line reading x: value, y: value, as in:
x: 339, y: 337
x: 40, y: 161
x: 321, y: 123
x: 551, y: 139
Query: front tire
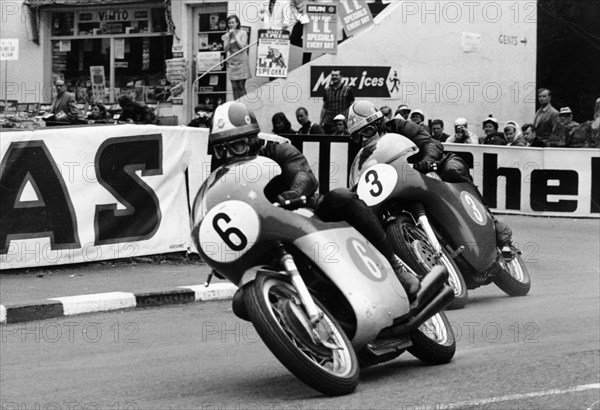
x: 413, y: 247
x: 434, y: 341
x: 513, y: 276
x: 275, y: 310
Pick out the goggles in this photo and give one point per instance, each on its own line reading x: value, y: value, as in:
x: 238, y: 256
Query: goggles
x: 236, y: 147
x: 365, y: 132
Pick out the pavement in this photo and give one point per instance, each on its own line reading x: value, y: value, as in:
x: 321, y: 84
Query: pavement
x: 49, y: 292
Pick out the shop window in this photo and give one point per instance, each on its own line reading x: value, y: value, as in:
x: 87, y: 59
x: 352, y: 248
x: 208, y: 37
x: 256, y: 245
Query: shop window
x: 139, y: 66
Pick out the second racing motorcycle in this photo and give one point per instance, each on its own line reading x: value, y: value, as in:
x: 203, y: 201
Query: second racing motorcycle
x: 435, y: 222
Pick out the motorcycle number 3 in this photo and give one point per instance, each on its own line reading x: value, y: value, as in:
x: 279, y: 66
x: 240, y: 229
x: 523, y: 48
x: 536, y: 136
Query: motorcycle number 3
x: 474, y: 208
x: 228, y: 231
x: 377, y: 183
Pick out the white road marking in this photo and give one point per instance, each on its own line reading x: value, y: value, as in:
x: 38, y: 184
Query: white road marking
x: 2, y: 314
x: 98, y: 302
x: 215, y: 291
x: 479, y: 402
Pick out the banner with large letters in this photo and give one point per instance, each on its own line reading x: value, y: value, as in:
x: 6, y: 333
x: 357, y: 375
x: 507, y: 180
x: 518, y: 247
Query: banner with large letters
x: 81, y: 194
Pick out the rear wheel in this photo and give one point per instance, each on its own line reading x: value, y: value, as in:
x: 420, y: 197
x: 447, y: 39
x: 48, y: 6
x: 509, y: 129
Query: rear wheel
x: 329, y: 365
x: 434, y: 341
x: 513, y: 276
x: 413, y: 247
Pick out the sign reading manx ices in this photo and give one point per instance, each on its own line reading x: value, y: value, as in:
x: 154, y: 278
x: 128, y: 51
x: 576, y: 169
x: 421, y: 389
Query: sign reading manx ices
x: 366, y: 81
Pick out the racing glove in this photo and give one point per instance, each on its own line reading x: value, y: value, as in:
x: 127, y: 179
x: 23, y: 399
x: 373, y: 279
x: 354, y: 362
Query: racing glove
x: 425, y: 166
x: 291, y: 196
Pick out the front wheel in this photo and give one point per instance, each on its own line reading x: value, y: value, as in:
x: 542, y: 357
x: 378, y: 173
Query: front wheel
x: 434, y: 341
x: 513, y: 276
x: 329, y: 365
x: 413, y: 247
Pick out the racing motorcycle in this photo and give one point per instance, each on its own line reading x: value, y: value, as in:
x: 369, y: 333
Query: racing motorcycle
x: 321, y: 297
x: 435, y: 222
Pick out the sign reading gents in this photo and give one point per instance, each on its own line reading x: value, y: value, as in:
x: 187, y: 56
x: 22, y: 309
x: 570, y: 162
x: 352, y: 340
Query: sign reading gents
x: 367, y: 81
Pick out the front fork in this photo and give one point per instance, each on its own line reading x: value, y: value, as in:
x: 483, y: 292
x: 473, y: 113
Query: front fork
x: 423, y: 222
x: 287, y: 261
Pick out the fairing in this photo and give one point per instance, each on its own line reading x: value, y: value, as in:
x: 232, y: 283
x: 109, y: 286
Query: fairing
x: 455, y: 209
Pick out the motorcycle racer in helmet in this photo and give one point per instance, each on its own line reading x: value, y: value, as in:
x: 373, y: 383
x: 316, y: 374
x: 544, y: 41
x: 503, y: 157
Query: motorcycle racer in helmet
x: 365, y: 123
x: 234, y: 137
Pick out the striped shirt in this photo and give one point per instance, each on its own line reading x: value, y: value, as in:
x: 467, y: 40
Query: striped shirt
x: 335, y: 101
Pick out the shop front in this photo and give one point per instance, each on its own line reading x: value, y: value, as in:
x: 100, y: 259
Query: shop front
x: 107, y: 49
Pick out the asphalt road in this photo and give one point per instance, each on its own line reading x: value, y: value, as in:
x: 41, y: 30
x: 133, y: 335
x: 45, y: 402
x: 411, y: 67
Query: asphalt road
x: 541, y: 351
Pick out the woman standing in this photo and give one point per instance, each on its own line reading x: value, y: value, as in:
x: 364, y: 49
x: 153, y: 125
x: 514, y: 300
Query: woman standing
x: 238, y: 67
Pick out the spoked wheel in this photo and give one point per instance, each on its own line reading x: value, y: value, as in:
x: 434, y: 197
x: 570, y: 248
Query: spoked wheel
x: 322, y: 358
x: 434, y: 341
x: 412, y: 245
x: 513, y: 276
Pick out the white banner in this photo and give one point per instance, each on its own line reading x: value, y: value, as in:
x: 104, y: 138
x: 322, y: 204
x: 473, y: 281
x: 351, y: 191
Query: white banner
x: 80, y: 194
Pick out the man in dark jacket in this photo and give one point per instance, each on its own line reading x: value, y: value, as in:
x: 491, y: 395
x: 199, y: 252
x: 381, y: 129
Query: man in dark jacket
x: 365, y: 122
x: 63, y: 106
x: 234, y: 135
x: 135, y: 112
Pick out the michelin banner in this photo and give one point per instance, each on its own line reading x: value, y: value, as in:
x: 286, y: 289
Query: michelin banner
x: 81, y: 194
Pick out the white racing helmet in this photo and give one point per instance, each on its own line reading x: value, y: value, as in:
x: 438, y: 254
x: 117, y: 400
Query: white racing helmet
x: 361, y: 114
x: 232, y: 120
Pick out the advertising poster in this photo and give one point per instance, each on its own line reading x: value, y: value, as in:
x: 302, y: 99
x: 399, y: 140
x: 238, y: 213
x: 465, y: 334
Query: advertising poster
x: 320, y: 34
x: 98, y: 82
x: 272, y: 56
x: 355, y: 15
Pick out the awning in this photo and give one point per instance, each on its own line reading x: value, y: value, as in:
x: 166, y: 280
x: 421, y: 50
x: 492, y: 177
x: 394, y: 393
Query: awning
x: 84, y: 3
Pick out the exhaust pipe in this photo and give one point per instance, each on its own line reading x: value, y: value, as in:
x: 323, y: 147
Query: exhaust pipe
x: 430, y: 285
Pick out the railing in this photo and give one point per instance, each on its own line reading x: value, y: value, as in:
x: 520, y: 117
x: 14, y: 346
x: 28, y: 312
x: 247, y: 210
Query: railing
x: 325, y: 142
x: 221, y: 63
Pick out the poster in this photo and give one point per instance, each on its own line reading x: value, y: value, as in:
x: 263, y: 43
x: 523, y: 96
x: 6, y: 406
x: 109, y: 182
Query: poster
x: 355, y: 15
x: 98, y: 83
x: 272, y: 55
x: 9, y: 49
x: 120, y: 48
x: 320, y: 35
x: 206, y: 60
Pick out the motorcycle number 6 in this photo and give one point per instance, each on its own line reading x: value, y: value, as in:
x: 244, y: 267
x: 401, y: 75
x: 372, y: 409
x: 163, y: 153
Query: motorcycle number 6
x: 228, y: 231
x: 377, y: 183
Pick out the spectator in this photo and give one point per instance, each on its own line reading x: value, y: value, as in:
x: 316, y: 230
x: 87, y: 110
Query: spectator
x: 418, y: 117
x: 530, y: 138
x: 306, y: 125
x: 63, y: 106
x: 492, y: 136
x: 336, y: 100
x: 513, y: 135
x: 562, y: 132
x: 238, y: 66
x: 387, y: 112
x: 135, y: 112
x: 546, y: 117
x: 437, y: 130
x: 202, y: 119
x: 281, y: 125
x: 402, y: 111
x: 98, y: 113
x: 339, y: 124
x: 461, y: 134
x: 278, y: 14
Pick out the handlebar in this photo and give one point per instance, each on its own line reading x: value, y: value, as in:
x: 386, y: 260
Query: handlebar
x: 291, y: 204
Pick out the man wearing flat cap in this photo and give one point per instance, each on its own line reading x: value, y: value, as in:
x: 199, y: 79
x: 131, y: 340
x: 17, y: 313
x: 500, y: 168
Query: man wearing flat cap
x: 63, y: 106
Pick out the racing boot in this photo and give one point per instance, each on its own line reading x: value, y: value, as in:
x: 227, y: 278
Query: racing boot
x: 409, y: 282
x: 504, y: 239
